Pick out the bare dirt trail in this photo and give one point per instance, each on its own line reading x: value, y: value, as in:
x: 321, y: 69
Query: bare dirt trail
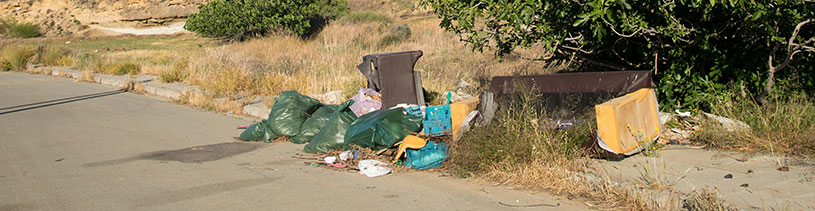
x: 79, y: 146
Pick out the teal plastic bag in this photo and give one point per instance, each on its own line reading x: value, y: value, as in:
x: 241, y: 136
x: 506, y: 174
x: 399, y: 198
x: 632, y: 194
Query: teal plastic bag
x: 289, y: 111
x: 257, y: 132
x: 381, y: 129
x: 332, y: 135
x: 430, y: 156
x: 313, y: 124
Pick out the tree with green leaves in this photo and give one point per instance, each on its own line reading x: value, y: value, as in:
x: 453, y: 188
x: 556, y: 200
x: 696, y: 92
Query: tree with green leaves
x: 694, y: 47
x: 236, y: 20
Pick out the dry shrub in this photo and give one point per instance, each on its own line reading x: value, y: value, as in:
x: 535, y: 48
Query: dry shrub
x: 17, y: 57
x: 514, y: 150
x: 179, y: 72
x: 705, y: 200
x: 783, y: 126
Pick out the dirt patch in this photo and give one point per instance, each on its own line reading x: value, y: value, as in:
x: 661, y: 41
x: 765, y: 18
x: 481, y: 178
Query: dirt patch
x: 205, y: 153
x: 197, y: 154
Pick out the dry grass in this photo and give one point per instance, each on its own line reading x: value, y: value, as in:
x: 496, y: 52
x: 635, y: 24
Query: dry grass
x: 705, y: 200
x: 783, y: 127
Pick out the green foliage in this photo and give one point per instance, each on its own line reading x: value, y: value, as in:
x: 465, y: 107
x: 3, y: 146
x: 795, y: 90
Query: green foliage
x: 239, y: 20
x: 126, y: 68
x: 693, y: 47
x: 23, y: 30
x: 398, y: 33
x: 365, y: 17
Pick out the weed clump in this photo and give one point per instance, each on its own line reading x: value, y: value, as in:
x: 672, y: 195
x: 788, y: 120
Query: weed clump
x: 16, y: 57
x: 126, y: 68
x: 783, y: 126
x: 16, y: 29
x: 361, y: 17
x: 398, y: 33
x: 179, y: 72
x: 52, y: 55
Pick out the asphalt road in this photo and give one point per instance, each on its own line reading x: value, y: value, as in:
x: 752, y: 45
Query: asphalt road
x: 67, y: 145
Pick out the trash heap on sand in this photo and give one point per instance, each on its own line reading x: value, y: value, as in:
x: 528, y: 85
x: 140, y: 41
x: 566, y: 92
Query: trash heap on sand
x: 384, y: 126
x: 388, y: 124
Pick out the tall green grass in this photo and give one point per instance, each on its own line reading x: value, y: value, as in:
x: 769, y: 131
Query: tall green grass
x: 784, y: 126
x: 360, y: 17
x: 16, y: 29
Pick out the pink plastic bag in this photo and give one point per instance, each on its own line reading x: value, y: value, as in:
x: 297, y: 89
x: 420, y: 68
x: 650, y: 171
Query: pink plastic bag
x: 365, y: 102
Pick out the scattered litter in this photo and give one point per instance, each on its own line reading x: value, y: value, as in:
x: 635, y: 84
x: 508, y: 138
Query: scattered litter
x: 366, y: 101
x: 58, y: 160
x: 626, y: 122
x: 314, y: 124
x: 381, y: 129
x: 289, y: 111
x: 745, y: 185
x: 728, y: 176
x: 373, y: 168
x: 749, y: 171
x: 330, y: 159
x: 729, y: 124
x: 243, y: 127
x: 682, y: 114
x: 410, y: 141
x: 430, y: 156
x: 332, y: 135
x: 346, y: 155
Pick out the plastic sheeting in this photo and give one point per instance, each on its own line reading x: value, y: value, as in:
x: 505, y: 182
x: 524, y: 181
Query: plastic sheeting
x: 625, y: 122
x: 258, y: 132
x: 289, y: 111
x: 381, y: 129
x: 313, y: 124
x: 332, y: 135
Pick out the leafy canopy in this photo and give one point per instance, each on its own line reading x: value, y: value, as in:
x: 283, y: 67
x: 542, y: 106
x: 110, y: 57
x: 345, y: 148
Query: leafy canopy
x: 241, y: 19
x: 694, y: 47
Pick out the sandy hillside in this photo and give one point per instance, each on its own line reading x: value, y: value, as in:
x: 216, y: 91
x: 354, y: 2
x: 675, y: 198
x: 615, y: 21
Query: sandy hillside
x: 98, y: 17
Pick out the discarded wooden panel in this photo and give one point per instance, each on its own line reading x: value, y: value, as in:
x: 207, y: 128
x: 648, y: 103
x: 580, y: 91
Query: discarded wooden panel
x: 459, y: 111
x: 565, y: 95
x: 392, y: 75
x: 625, y: 122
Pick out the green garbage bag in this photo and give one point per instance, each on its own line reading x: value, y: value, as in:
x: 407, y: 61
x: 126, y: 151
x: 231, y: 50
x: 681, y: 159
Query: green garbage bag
x: 289, y: 111
x: 313, y: 124
x: 332, y: 135
x: 381, y: 129
x: 258, y: 131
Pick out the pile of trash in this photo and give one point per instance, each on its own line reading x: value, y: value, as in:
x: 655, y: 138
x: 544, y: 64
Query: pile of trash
x: 361, y: 132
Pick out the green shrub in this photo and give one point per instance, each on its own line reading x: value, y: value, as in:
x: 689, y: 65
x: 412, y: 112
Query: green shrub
x: 126, y: 68
x: 693, y: 47
x: 364, y: 17
x: 23, y: 30
x: 239, y: 20
x: 5, y: 66
x: 398, y: 33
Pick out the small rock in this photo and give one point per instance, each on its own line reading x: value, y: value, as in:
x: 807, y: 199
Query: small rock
x: 742, y: 159
x: 784, y: 168
x: 749, y: 171
x: 744, y: 185
x: 728, y: 176
x: 58, y: 160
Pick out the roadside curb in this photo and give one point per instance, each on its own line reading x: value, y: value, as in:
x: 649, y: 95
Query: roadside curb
x: 148, y: 84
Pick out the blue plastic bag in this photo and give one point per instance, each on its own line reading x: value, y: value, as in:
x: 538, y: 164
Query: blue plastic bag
x: 430, y: 156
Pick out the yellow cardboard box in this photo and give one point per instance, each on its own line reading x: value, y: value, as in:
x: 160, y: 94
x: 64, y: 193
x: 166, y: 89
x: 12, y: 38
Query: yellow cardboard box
x: 625, y: 122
